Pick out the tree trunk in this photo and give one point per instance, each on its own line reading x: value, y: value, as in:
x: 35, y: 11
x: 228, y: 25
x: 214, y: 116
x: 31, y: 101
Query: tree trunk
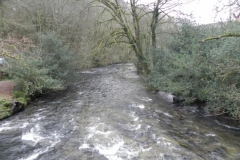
x: 154, y: 24
x: 131, y: 30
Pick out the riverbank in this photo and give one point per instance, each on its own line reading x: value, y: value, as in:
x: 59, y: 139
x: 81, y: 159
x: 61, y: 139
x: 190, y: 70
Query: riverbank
x: 6, y: 91
x: 8, y: 105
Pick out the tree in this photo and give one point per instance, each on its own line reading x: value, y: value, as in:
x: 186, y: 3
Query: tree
x: 1, y: 15
x: 207, y: 72
x: 161, y: 10
x: 49, y: 67
x: 129, y: 30
x: 71, y: 20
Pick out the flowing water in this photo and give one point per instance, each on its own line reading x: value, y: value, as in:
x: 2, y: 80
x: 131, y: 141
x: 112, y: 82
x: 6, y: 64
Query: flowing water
x: 110, y: 114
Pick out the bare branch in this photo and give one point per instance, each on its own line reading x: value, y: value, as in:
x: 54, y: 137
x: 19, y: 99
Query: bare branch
x: 221, y: 36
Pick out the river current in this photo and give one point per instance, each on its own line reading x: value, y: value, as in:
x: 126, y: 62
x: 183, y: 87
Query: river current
x: 109, y: 114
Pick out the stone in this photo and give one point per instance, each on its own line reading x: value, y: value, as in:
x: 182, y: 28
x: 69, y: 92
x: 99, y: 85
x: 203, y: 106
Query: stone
x: 17, y: 107
x: 177, y: 100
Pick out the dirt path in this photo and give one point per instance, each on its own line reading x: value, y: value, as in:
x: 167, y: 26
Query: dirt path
x: 6, y: 89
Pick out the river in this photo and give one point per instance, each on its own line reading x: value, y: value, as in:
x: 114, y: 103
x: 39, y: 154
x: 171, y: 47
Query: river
x: 111, y: 115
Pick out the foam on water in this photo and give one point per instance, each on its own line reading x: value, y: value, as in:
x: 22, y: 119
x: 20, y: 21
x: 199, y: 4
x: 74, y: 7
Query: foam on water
x: 210, y: 135
x: 12, y: 126
x: 80, y: 93
x: 88, y: 72
x: 145, y: 99
x: 30, y: 136
x: 107, y: 142
x: 6, y: 128
x: 33, y: 135
x: 146, y: 149
x: 84, y: 146
x: 164, y: 113
x: 141, y: 106
x: 110, y: 151
x: 168, y: 115
x: 133, y: 116
x: 131, y: 127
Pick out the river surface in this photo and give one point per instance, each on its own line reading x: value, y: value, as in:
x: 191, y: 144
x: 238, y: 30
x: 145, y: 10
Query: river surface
x: 111, y: 115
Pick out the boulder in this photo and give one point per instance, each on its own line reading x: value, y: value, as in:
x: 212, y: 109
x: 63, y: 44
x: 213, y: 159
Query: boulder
x: 178, y: 100
x: 17, y: 107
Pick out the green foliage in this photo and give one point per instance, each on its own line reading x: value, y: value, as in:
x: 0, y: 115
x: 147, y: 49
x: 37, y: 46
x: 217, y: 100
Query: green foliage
x: 49, y: 67
x: 21, y: 97
x: 5, y: 110
x: 30, y: 74
x: 58, y: 59
x: 207, y: 71
x: 4, y: 103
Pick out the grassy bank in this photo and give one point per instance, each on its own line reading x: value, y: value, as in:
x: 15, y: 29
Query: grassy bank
x: 5, y: 109
x: 10, y: 99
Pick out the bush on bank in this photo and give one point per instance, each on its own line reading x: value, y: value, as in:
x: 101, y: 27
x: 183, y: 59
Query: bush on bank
x: 48, y: 67
x: 5, y: 110
x: 208, y: 71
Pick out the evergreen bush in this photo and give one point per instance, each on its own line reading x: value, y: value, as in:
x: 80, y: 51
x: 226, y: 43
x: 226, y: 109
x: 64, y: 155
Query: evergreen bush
x: 49, y: 67
x: 208, y: 71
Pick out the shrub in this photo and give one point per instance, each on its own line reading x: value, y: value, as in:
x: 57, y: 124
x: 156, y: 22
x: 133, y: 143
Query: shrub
x: 205, y: 71
x: 21, y: 97
x: 57, y: 58
x: 5, y: 110
x: 47, y: 68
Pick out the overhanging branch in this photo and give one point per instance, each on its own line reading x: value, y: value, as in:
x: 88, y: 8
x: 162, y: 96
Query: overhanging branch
x: 221, y: 36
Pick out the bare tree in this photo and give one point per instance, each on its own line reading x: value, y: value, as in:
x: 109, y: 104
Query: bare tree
x: 233, y: 7
x: 129, y: 28
x: 161, y: 10
x: 70, y: 19
x: 230, y: 6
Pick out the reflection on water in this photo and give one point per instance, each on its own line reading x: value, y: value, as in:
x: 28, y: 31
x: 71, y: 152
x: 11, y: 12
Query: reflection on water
x: 109, y: 114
